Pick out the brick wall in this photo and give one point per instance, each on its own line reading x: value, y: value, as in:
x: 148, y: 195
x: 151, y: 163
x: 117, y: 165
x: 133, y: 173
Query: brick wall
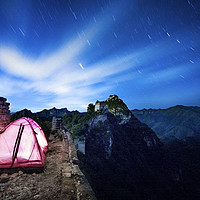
x: 4, y: 113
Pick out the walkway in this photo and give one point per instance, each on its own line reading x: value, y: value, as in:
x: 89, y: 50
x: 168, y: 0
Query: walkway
x: 61, y: 179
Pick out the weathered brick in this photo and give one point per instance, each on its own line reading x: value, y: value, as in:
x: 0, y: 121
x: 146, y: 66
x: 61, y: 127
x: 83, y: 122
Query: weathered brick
x: 4, y: 113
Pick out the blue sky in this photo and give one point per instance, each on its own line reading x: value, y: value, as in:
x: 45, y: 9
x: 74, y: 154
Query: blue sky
x: 69, y: 53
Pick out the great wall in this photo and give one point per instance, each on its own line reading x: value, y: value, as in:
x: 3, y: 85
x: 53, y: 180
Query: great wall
x: 4, y: 113
x: 61, y: 178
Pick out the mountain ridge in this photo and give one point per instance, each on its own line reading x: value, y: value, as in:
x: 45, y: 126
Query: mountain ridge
x: 177, y: 121
x: 127, y: 160
x: 118, y: 152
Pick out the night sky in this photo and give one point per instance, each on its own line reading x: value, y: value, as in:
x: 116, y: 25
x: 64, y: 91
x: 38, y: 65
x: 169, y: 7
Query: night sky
x: 69, y: 53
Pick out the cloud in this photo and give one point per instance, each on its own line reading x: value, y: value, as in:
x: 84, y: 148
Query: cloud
x: 10, y: 86
x: 59, y: 74
x: 16, y: 63
x: 62, y: 76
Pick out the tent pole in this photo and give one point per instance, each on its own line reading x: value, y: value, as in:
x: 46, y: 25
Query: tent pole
x: 17, y: 145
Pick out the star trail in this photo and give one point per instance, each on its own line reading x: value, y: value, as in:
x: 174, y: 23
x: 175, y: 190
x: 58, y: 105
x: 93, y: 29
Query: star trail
x: 69, y: 53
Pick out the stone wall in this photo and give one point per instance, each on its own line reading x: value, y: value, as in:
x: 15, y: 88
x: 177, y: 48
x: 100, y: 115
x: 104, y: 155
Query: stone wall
x: 4, y: 113
x: 83, y: 188
x: 56, y: 123
x: 101, y: 106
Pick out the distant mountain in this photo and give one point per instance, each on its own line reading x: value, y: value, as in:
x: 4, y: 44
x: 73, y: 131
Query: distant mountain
x: 178, y: 122
x: 22, y: 113
x: 54, y: 112
x: 45, y: 114
x: 43, y: 118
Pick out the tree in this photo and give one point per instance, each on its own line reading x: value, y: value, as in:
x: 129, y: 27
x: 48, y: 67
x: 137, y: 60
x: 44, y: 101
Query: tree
x: 90, y: 108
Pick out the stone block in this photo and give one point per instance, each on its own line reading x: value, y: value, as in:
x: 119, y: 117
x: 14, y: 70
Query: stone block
x: 4, y: 113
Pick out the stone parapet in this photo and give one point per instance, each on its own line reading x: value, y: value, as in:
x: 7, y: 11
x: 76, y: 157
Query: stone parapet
x: 83, y: 188
x: 4, y: 113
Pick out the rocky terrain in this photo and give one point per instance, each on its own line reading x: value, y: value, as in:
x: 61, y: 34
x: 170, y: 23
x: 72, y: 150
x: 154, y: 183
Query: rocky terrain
x: 61, y: 178
x: 124, y: 158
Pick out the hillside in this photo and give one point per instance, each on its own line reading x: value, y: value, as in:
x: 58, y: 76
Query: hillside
x: 178, y: 122
x: 44, y: 117
x: 46, y: 114
x: 123, y: 157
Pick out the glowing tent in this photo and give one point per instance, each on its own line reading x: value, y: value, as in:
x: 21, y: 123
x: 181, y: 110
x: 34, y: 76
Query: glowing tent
x: 22, y: 144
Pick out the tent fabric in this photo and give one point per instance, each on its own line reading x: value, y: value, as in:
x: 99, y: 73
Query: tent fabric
x: 22, y: 144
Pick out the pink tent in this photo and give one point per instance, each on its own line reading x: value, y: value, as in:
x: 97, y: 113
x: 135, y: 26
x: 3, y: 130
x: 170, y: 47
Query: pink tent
x: 22, y: 144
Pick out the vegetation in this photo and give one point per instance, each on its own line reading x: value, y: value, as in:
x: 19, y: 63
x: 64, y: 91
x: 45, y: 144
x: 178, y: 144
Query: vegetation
x: 78, y: 123
x: 44, y: 123
x: 135, y: 171
x: 117, y: 105
x: 176, y: 122
x: 90, y: 108
x: 171, y: 171
x: 184, y: 156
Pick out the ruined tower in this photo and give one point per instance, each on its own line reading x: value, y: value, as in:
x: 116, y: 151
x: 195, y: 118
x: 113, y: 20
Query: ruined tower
x: 4, y: 113
x: 56, y: 123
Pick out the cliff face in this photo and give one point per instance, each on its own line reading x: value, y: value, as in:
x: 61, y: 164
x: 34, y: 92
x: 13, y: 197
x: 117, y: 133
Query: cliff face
x: 106, y: 131
x: 124, y: 158
x: 118, y: 123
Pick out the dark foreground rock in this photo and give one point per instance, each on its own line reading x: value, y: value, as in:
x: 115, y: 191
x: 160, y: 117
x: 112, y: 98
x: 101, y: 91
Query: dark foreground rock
x: 124, y: 159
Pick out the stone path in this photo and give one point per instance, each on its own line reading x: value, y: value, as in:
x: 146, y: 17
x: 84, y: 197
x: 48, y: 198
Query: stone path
x: 56, y: 182
x: 61, y: 179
